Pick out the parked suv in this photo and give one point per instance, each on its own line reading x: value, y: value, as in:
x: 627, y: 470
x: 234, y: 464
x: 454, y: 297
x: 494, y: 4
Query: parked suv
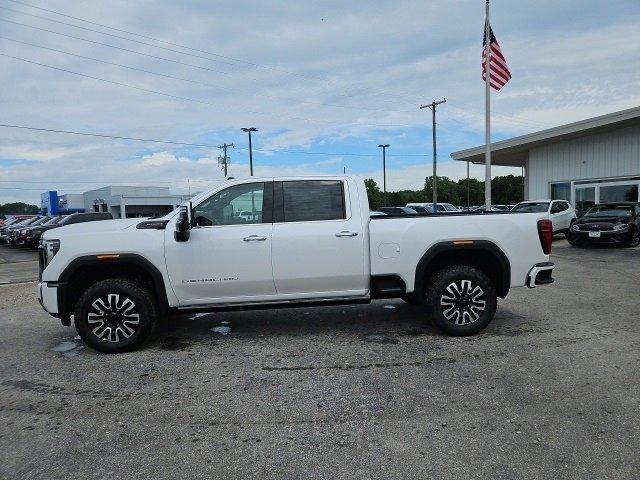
x: 560, y: 212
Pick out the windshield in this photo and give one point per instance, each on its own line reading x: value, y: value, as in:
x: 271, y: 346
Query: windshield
x: 26, y: 222
x: 65, y: 220
x: 449, y: 207
x: 532, y: 207
x: 54, y: 220
x: 41, y: 221
x: 609, y: 211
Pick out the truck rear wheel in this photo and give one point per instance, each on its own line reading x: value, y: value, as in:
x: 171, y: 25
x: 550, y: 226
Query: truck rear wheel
x: 461, y: 300
x: 115, y: 315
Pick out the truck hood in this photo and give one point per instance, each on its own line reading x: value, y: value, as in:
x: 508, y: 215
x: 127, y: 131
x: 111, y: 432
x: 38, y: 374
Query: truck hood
x: 99, y: 226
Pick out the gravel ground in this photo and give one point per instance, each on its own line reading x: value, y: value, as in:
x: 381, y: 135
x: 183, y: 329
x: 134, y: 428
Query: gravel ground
x: 549, y: 390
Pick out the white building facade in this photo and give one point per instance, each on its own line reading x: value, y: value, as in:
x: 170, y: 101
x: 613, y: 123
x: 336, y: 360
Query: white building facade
x: 132, y: 201
x: 592, y: 161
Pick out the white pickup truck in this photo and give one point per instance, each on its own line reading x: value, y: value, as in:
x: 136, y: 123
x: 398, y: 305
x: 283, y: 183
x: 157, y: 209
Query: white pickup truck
x: 307, y: 241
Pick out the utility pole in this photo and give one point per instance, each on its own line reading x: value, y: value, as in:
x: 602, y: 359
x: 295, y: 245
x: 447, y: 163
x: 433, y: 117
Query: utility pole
x: 224, y: 160
x: 434, y: 182
x: 249, y: 130
x: 384, y: 172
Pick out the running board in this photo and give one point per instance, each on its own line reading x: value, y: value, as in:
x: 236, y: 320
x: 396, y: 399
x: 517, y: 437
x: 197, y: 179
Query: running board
x: 311, y: 302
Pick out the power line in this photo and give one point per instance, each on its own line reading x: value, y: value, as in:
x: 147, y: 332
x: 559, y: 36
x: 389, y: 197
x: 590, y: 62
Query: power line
x: 178, y: 97
x: 115, y: 36
x: 204, y: 145
x: 238, y: 60
x: 183, y: 53
x: 513, y: 119
x: 182, y: 79
x: 100, y: 135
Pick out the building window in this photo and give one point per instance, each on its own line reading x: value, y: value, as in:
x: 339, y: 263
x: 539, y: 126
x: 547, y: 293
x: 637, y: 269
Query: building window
x: 619, y: 193
x: 561, y: 191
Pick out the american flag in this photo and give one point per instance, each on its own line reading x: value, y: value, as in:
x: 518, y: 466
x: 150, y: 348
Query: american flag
x: 499, y: 73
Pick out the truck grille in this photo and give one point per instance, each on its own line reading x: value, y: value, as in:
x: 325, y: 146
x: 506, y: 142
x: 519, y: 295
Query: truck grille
x: 595, y: 227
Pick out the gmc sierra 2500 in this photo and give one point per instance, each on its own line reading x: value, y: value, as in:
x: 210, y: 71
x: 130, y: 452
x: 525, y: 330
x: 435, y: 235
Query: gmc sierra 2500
x: 286, y: 241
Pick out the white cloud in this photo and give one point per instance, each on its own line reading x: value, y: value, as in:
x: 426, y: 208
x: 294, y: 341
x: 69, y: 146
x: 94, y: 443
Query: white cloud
x: 330, y: 74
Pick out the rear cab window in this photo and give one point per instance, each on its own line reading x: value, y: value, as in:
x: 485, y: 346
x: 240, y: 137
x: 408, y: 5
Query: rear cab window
x: 310, y: 201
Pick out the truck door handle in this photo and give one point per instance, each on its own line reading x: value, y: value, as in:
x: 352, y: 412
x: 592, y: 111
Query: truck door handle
x: 254, y: 238
x: 345, y: 233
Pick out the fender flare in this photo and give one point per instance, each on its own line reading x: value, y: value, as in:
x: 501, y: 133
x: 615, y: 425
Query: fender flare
x: 477, y: 246
x: 121, y: 259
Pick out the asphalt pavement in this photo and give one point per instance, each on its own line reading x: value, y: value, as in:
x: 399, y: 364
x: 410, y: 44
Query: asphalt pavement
x: 548, y: 390
x: 17, y: 264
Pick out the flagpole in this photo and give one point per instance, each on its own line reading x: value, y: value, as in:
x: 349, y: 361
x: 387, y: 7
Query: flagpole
x: 487, y: 101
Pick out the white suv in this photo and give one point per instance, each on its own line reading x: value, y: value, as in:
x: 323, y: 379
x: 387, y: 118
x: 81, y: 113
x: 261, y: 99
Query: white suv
x: 560, y: 212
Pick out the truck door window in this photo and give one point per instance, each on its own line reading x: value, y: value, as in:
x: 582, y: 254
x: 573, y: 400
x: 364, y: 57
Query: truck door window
x: 313, y: 200
x: 237, y: 205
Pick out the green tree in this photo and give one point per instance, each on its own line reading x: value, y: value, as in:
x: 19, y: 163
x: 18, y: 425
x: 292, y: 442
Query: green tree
x: 373, y: 193
x: 448, y: 190
x: 18, y: 208
x: 506, y: 189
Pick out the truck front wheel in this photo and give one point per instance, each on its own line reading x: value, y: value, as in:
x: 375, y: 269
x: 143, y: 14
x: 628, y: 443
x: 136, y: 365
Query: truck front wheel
x: 461, y: 300
x: 115, y: 315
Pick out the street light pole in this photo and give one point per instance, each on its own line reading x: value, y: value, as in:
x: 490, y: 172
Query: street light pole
x: 249, y: 130
x: 434, y: 182
x: 384, y: 172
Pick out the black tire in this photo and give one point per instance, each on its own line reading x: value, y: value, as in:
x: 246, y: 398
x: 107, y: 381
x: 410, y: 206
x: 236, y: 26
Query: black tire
x: 461, y: 300
x: 412, y: 299
x: 634, y: 241
x: 115, y: 315
x: 573, y: 241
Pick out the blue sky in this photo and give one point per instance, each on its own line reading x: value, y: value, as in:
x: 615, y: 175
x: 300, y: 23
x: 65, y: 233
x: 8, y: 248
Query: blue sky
x: 330, y: 79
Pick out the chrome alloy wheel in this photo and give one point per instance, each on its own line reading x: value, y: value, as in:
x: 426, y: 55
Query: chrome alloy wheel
x: 462, y: 302
x: 113, y: 318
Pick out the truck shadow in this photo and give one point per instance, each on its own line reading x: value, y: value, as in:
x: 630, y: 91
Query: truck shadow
x: 380, y: 322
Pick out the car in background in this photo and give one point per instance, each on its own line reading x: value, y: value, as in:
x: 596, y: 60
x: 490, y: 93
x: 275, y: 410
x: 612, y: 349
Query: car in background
x: 397, y: 211
x: 83, y: 218
x: 560, y: 212
x: 440, y: 207
x: 10, y: 221
x: 18, y: 235
x: 375, y: 213
x: 613, y: 223
x: 34, y: 232
x: 9, y: 234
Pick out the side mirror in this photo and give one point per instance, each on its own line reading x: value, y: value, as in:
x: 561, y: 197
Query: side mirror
x: 183, y: 225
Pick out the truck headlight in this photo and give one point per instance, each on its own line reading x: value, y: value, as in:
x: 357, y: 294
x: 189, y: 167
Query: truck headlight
x: 620, y: 227
x: 51, y: 247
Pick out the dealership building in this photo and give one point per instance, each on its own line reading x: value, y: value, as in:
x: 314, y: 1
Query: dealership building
x: 120, y: 201
x: 591, y: 161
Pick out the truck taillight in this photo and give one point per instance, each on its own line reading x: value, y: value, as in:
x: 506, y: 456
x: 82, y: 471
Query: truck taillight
x: 545, y: 232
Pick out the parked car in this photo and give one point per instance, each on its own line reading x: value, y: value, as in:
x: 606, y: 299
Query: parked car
x: 34, y: 232
x: 10, y: 222
x: 440, y: 207
x: 560, y: 212
x: 316, y: 243
x: 13, y: 230
x: 397, y: 211
x: 615, y: 223
x: 374, y: 213
x: 18, y: 236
